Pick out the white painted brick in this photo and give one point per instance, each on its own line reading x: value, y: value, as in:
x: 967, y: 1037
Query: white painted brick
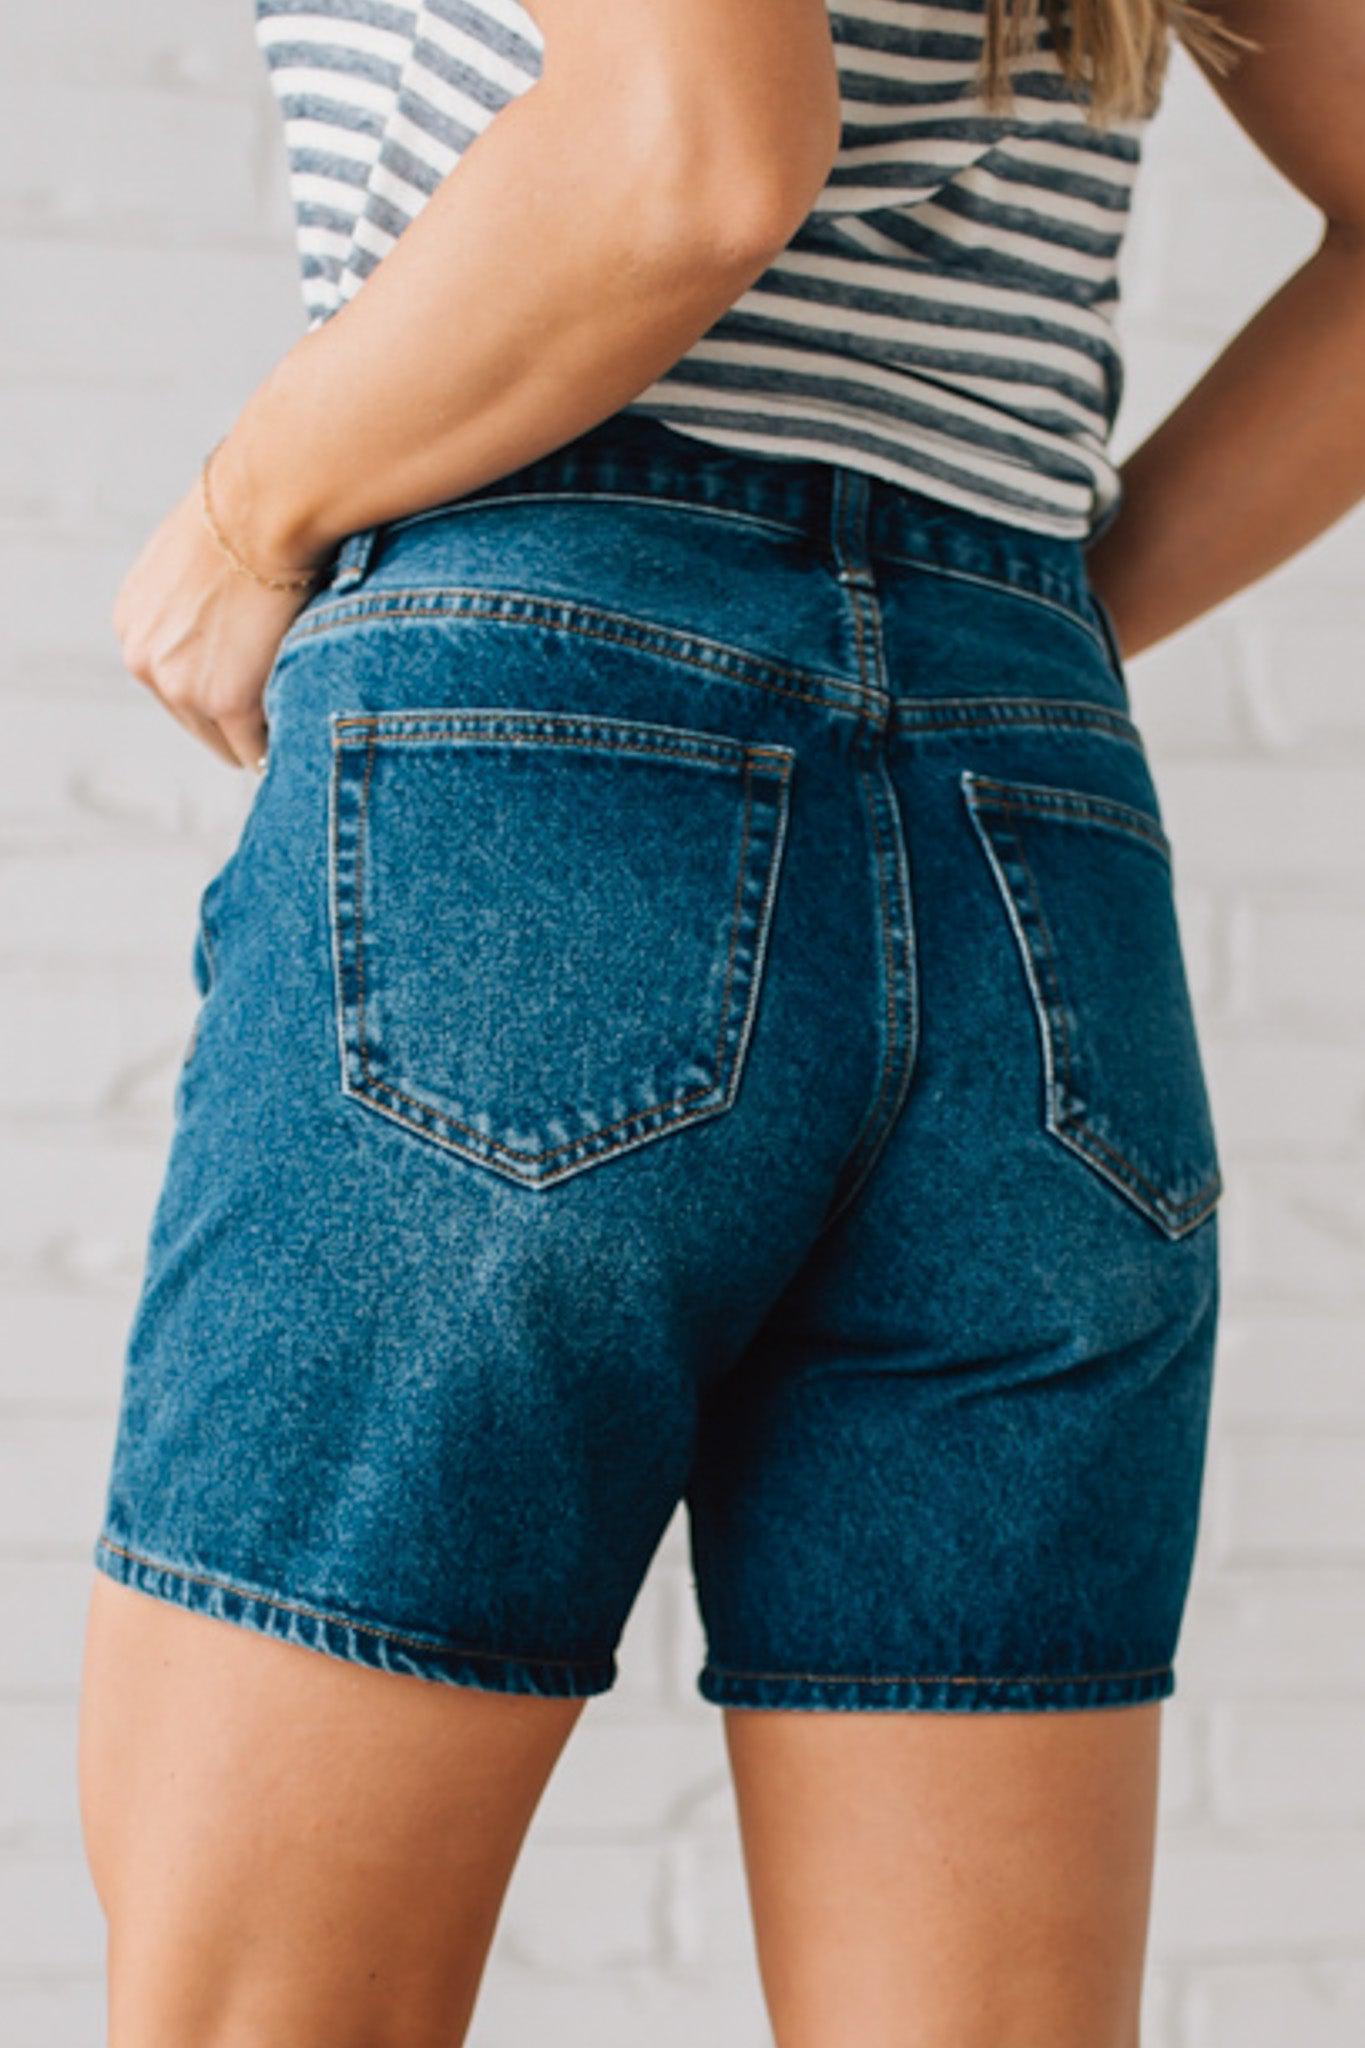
x: 1300, y: 1233
x: 218, y: 316
x: 1305, y: 681
x: 1254, y: 1892
x: 84, y: 1040
x: 60, y: 2015
x: 1258, y: 242
x: 42, y: 1623
x: 1327, y: 570
x: 74, y: 457
x: 57, y: 596
x: 1205, y: 942
x: 1183, y: 1776
x: 193, y: 45
x: 583, y: 1909
x: 1289, y: 1760
x: 64, y: 1349
x: 1187, y: 695
x: 1274, y: 1101
x: 1298, y: 1370
x: 77, y: 1204
x: 50, y: 1919
x: 38, y: 1780
x: 1288, y: 2004
x: 1299, y: 959
x: 110, y: 903
x: 1267, y: 1634
x: 1293, y: 1498
x: 1161, y: 1998
x: 52, y: 1477
x: 710, y: 1928
x: 1243, y: 823
x: 516, y: 2011
x: 117, y: 766
x: 144, y: 163
x: 622, y: 1779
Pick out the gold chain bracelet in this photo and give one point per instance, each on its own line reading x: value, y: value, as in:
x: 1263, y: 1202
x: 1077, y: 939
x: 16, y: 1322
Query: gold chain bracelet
x: 298, y: 581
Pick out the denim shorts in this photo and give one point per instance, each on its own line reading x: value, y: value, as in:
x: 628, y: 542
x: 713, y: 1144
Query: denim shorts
x: 695, y: 1014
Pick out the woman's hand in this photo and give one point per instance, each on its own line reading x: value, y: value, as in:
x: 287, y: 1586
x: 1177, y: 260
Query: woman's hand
x: 201, y: 634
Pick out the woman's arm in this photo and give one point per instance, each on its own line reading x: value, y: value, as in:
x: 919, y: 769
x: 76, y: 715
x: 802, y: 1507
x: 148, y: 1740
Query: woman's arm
x: 601, y: 224
x: 596, y: 228
x: 1268, y: 449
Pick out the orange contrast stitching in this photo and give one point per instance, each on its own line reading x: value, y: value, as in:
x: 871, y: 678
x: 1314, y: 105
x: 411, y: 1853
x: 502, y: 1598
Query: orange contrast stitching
x: 734, y: 659
x: 1161, y: 1200
x: 678, y: 1102
x: 1102, y: 808
x: 940, y: 1677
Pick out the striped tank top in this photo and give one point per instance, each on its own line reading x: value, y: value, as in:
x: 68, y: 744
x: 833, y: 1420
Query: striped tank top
x: 944, y: 316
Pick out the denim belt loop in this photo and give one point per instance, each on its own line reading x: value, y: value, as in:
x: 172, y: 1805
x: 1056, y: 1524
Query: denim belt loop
x: 353, y: 557
x: 850, y: 526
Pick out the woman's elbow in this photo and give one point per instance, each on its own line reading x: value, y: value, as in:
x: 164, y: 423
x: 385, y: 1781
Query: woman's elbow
x: 747, y: 207
x: 740, y: 194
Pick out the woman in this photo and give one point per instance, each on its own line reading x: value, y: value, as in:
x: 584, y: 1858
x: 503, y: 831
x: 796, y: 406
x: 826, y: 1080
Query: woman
x: 696, y: 1009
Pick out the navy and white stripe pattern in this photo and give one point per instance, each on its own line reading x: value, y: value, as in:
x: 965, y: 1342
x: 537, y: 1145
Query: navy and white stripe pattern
x: 943, y: 317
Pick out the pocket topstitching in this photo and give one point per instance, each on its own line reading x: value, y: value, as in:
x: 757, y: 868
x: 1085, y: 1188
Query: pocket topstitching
x: 549, y: 929
x: 1087, y: 885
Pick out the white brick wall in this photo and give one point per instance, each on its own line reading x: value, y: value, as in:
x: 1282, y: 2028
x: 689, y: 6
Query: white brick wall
x: 149, y: 282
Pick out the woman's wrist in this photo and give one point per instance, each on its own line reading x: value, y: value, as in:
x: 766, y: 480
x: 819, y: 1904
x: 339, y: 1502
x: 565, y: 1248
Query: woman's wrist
x: 268, y: 579
x: 257, y: 504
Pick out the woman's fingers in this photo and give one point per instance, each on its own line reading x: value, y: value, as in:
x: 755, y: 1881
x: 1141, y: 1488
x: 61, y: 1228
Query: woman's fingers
x: 235, y: 730
x: 202, y: 638
x: 245, y: 732
x: 203, y: 727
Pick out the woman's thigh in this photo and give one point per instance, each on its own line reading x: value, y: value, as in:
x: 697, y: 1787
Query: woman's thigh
x: 925, y: 1878
x: 291, y: 1847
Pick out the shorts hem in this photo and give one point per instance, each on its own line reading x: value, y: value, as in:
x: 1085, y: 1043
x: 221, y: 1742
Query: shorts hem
x: 936, y: 1693
x: 344, y: 1637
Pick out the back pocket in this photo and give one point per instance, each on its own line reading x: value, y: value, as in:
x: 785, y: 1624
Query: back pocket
x: 549, y: 929
x: 1087, y: 885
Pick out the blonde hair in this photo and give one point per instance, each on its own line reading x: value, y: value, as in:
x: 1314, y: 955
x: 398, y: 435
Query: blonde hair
x: 1113, y: 53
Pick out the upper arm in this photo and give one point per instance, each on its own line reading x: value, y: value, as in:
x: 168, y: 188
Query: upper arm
x: 1301, y: 96
x: 738, y: 100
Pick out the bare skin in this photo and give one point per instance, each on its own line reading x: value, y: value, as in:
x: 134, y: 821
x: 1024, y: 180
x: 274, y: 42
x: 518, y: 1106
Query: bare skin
x: 1268, y: 448
x: 296, y: 1852
x: 949, y: 1880
x: 293, y: 1851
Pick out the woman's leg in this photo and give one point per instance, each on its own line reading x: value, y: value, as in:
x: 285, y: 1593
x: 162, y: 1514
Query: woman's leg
x: 291, y: 1848
x: 949, y: 1880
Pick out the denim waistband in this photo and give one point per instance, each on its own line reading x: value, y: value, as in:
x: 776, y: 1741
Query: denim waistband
x: 857, y: 519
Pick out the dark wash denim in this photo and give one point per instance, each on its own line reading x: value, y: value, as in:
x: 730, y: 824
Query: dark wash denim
x: 696, y: 1011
